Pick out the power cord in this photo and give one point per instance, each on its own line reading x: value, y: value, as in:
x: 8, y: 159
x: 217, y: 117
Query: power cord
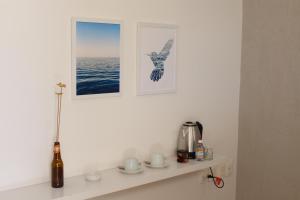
x: 218, y: 181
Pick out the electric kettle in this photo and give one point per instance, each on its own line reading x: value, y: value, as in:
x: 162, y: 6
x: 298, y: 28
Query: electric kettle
x: 190, y: 133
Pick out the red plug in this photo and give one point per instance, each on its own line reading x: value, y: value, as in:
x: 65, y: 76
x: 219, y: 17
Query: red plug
x: 218, y: 180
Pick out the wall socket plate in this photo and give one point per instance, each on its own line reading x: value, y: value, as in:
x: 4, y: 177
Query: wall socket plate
x: 222, y: 170
x: 219, y: 170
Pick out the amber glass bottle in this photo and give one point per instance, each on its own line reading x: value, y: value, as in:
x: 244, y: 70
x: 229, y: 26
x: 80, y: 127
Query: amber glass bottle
x: 57, y: 174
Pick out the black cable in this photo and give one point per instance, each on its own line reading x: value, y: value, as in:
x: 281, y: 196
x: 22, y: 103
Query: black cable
x: 213, y: 177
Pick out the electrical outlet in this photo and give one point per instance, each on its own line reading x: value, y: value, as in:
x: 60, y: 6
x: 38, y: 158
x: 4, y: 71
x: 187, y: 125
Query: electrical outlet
x: 222, y: 170
x: 219, y: 170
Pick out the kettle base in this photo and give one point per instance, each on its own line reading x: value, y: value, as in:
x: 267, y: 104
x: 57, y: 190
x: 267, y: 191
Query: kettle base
x: 192, y: 155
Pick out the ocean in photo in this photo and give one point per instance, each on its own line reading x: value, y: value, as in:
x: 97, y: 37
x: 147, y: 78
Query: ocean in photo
x: 97, y: 75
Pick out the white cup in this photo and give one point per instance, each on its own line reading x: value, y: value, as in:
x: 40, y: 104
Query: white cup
x: 157, y: 160
x: 131, y: 164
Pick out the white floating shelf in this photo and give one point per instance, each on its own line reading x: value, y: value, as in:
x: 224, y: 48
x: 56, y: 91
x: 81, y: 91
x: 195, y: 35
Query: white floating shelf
x: 76, y: 188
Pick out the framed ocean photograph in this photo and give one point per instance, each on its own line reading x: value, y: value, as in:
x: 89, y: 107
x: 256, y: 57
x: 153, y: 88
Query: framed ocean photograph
x: 96, y: 46
x: 156, y: 58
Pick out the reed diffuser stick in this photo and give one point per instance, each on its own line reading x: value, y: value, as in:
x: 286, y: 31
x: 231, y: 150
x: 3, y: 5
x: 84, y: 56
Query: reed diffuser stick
x: 59, y: 98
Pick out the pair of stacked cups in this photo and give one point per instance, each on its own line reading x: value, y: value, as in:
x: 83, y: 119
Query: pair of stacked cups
x: 132, y: 165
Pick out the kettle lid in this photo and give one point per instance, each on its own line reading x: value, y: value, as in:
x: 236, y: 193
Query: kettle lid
x: 189, y: 124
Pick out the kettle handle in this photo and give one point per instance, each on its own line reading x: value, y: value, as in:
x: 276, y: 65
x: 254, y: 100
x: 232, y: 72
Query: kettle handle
x: 200, y: 127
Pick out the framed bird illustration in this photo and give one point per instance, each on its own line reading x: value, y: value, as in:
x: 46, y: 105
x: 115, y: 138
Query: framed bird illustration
x: 156, y: 58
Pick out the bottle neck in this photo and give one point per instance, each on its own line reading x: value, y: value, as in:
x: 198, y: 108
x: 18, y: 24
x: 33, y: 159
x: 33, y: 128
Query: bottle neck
x: 56, y: 151
x: 57, y: 156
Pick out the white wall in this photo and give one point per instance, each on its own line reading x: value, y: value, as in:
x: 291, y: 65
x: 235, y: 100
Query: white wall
x: 35, y: 54
x: 270, y: 101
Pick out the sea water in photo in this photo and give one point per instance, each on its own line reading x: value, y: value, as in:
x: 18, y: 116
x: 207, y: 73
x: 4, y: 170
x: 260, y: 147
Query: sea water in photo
x: 97, y: 75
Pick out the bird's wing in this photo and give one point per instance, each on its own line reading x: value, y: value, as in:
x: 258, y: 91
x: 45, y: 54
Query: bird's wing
x: 166, y: 50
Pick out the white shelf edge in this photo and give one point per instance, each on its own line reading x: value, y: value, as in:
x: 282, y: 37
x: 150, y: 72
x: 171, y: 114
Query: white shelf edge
x: 76, y: 188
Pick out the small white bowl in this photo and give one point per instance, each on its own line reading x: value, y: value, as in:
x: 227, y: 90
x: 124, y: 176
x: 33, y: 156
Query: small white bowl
x: 93, y: 176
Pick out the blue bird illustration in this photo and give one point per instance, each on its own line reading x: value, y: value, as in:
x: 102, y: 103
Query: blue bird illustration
x: 158, y: 60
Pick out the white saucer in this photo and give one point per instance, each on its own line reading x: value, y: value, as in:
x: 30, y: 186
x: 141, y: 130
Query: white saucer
x: 124, y: 171
x: 95, y: 176
x: 148, y: 164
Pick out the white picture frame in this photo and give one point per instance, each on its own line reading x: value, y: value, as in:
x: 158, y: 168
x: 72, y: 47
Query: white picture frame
x: 156, y: 58
x: 107, y: 44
